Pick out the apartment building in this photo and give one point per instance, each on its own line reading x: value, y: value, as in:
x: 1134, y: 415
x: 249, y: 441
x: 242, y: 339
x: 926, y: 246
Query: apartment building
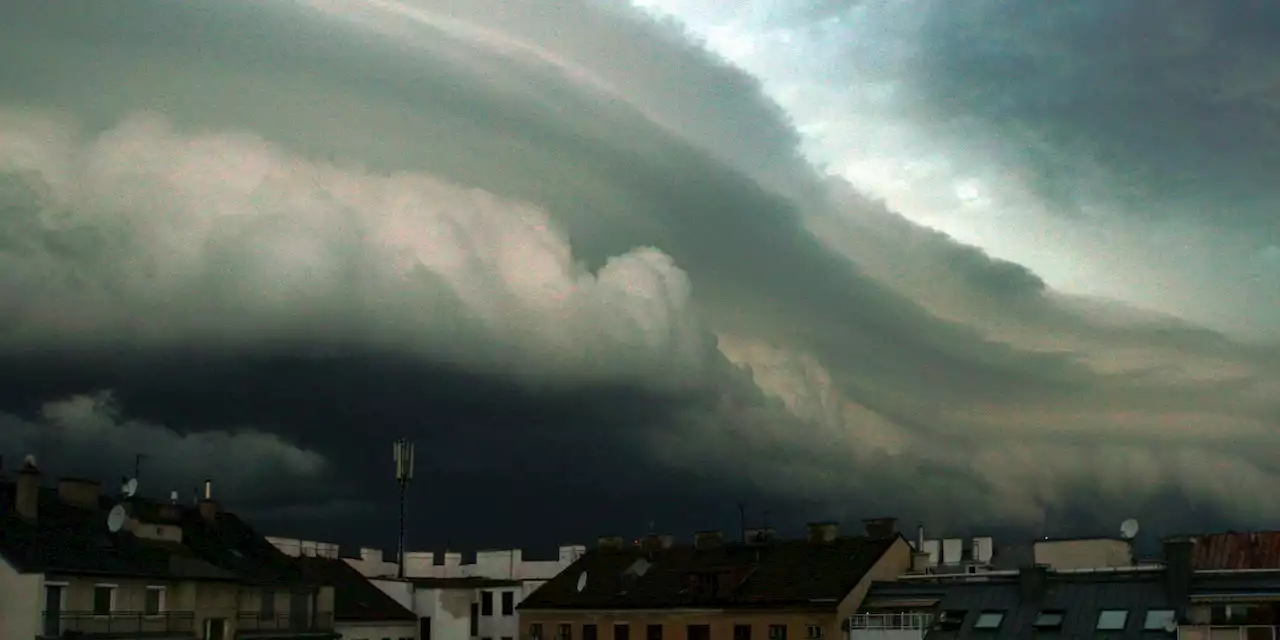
x: 158, y: 570
x: 763, y: 589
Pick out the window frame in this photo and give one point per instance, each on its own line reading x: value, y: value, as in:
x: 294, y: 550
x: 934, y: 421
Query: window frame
x: 113, y: 590
x: 1123, y: 620
x: 1041, y: 626
x: 161, y: 604
x: 776, y: 627
x: 564, y: 631
x: 595, y: 631
x: 508, y: 605
x: 535, y: 631
x: 266, y: 603
x: 625, y: 628
x: 1169, y: 615
x: 1000, y: 616
x: 486, y: 604
x: 741, y: 627
x: 649, y: 630
x: 809, y: 632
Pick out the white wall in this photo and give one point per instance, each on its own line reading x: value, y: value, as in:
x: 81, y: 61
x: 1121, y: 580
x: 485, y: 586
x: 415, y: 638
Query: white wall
x: 21, y: 602
x: 376, y: 630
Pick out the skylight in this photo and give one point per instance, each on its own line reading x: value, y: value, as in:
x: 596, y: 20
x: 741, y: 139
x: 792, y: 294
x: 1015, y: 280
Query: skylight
x: 1158, y: 620
x: 989, y: 620
x: 1112, y: 619
x: 1048, y: 620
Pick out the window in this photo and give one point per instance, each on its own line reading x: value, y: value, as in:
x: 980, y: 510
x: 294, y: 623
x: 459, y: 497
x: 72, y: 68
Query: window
x: 104, y: 599
x: 653, y: 632
x: 777, y: 632
x: 153, y: 605
x: 267, y: 608
x: 589, y: 632
x: 486, y: 603
x: 564, y: 632
x: 621, y: 632
x: 535, y: 631
x: 508, y: 603
x: 989, y: 620
x: 1112, y: 619
x: 813, y: 632
x: 475, y: 619
x: 699, y: 632
x: 1048, y: 619
x: 951, y: 620
x: 1158, y: 620
x: 741, y: 632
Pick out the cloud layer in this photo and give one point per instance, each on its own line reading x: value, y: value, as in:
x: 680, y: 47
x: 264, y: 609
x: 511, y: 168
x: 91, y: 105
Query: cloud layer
x: 593, y: 258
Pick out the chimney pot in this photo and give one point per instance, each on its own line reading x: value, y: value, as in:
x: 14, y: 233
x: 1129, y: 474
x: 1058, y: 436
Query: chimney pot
x: 27, y: 490
x: 920, y: 562
x: 880, y: 527
x: 78, y: 492
x: 820, y: 532
x: 208, y: 489
x: 208, y: 510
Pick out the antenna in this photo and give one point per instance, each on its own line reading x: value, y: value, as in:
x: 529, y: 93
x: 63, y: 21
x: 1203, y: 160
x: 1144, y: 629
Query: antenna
x: 742, y: 520
x: 1129, y: 529
x: 116, y: 518
x: 402, y: 450
x: 130, y: 487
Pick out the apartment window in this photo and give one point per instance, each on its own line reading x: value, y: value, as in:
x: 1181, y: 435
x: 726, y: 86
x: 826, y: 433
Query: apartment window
x: 104, y: 599
x: 475, y: 619
x: 153, y: 604
x: 777, y: 632
x: 508, y: 603
x: 621, y: 632
x: 1159, y: 620
x: 1112, y: 620
x: 741, y: 632
x: 989, y: 620
x: 535, y: 631
x: 268, y: 605
x: 813, y: 632
x: 653, y: 632
x: 564, y: 632
x: 1049, y: 619
x: 589, y: 632
x: 699, y: 632
x: 486, y: 603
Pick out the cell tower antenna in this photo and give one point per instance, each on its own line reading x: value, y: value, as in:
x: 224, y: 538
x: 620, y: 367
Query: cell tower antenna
x: 403, y: 455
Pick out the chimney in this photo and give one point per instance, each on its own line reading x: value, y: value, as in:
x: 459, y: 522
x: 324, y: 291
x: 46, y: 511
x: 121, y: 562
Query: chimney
x: 170, y: 512
x: 1178, y: 570
x: 609, y: 543
x: 763, y: 535
x: 920, y: 537
x: 27, y: 490
x: 820, y: 532
x: 208, y: 507
x: 1032, y: 582
x: 920, y: 562
x: 654, y: 542
x: 78, y: 492
x: 708, y: 539
x: 881, y: 527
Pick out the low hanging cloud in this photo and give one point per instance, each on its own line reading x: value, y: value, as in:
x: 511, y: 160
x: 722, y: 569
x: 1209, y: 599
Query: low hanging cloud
x: 88, y: 436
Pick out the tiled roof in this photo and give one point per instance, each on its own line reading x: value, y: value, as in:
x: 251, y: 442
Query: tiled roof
x: 1080, y: 598
x: 75, y: 540
x: 355, y: 599
x: 1257, y: 550
x: 784, y: 573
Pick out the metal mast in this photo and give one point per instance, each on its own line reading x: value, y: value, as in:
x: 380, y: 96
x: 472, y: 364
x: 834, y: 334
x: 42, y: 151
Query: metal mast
x: 404, y: 473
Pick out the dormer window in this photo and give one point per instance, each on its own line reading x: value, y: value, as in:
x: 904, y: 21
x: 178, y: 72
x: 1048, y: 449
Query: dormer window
x: 1049, y: 620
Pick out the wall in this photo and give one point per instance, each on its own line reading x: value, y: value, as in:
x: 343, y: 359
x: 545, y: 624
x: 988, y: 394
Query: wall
x: 675, y: 623
x: 377, y: 631
x: 1083, y: 554
x: 449, y: 610
x: 21, y: 602
x: 895, y: 562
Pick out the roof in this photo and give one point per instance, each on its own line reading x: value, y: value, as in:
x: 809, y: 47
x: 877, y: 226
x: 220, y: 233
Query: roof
x: 355, y: 599
x: 75, y: 540
x: 1080, y: 598
x: 780, y: 574
x: 1257, y: 550
x: 475, y: 582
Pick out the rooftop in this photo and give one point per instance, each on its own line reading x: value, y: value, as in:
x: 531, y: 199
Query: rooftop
x: 355, y: 599
x: 780, y: 573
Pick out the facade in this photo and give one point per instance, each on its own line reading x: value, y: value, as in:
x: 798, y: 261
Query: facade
x: 167, y: 570
x: 763, y: 589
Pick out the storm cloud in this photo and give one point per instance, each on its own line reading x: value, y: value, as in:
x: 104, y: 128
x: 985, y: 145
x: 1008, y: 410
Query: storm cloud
x: 598, y: 272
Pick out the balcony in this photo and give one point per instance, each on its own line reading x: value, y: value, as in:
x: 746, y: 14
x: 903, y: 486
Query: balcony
x: 889, y: 626
x: 117, y: 624
x: 251, y: 623
x: 1228, y: 632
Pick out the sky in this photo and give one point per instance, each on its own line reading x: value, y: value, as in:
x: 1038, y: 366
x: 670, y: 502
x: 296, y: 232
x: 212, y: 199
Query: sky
x: 614, y: 266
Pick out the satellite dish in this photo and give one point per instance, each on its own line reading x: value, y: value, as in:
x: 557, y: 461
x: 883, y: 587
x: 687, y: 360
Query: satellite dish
x: 130, y: 487
x: 116, y: 518
x: 582, y: 581
x: 1129, y: 529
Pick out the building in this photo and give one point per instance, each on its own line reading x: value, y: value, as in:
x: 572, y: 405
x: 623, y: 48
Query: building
x: 952, y: 555
x: 361, y: 610
x: 452, y: 600
x: 766, y: 588
x: 1235, y: 586
x: 160, y: 570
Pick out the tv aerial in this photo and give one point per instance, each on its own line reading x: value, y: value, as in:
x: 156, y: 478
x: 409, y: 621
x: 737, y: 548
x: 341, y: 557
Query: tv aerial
x: 116, y: 518
x: 1129, y: 529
